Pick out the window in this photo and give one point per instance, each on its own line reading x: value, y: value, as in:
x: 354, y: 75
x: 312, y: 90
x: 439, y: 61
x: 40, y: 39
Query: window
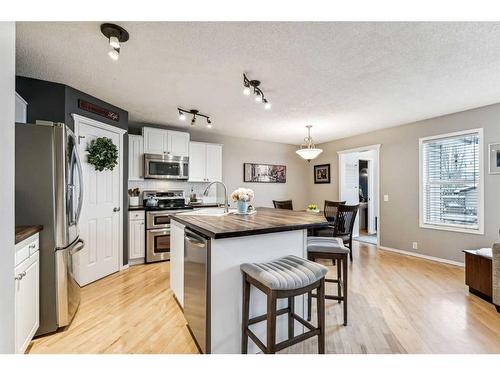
x: 451, y: 182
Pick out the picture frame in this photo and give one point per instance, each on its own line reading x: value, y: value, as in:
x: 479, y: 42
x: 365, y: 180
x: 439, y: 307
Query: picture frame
x: 264, y: 173
x: 494, y: 158
x: 322, y: 174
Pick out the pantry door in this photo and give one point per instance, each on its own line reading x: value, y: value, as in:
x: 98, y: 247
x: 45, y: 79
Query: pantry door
x: 102, y: 215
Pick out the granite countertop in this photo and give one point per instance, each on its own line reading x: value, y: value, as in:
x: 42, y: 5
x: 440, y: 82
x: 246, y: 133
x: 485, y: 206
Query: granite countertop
x: 26, y: 231
x: 136, y: 208
x: 265, y: 220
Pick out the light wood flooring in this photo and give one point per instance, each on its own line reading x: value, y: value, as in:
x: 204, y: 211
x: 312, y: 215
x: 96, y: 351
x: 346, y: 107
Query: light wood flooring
x: 398, y: 304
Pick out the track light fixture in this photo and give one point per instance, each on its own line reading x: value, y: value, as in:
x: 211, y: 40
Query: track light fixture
x: 195, y: 113
x: 250, y: 86
x: 115, y: 35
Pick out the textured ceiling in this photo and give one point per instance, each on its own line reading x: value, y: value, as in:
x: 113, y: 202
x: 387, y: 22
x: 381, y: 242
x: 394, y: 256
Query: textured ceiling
x: 343, y: 78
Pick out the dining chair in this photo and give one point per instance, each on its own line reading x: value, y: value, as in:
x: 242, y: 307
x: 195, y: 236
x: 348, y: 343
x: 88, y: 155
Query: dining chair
x: 343, y: 225
x: 285, y: 205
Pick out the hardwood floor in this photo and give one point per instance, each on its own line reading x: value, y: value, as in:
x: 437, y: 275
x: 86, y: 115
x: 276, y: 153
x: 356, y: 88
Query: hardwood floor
x: 398, y: 304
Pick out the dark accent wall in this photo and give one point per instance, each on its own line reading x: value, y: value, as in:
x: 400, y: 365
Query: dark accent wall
x: 51, y: 101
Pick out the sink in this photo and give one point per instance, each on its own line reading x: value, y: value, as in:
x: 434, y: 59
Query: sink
x: 209, y: 212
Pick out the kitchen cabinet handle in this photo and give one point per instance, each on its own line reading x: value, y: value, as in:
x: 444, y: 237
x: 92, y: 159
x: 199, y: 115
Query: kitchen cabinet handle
x: 116, y: 209
x: 32, y: 246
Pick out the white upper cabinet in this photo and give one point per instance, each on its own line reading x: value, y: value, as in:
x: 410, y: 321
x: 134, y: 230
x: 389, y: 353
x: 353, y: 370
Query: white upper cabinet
x: 159, y: 141
x: 178, y: 143
x: 205, y: 162
x: 135, y: 157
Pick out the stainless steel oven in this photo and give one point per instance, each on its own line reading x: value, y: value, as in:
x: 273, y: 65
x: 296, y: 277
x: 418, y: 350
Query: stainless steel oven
x: 158, y: 235
x: 166, y: 167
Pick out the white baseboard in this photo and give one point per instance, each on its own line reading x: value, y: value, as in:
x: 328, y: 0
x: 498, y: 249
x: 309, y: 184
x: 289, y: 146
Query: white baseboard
x: 136, y: 261
x: 423, y: 256
x: 124, y: 267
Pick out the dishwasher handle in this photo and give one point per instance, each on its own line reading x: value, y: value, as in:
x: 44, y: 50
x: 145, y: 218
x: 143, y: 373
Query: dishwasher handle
x: 195, y: 239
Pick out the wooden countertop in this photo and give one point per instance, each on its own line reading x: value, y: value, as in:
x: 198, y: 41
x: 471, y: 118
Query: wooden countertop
x: 265, y: 220
x: 26, y: 231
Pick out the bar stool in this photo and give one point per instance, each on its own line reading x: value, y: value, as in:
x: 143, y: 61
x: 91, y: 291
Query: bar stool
x: 335, y: 250
x: 285, y: 277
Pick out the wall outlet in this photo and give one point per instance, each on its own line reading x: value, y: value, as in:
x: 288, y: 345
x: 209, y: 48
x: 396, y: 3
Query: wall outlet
x: 386, y: 197
x: 415, y: 245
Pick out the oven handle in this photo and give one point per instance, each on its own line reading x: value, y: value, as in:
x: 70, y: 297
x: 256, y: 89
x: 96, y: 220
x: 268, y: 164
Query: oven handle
x: 159, y: 230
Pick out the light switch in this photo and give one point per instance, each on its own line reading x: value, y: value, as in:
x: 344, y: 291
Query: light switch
x: 386, y: 197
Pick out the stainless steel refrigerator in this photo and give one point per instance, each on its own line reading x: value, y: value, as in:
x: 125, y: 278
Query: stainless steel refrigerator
x: 49, y: 192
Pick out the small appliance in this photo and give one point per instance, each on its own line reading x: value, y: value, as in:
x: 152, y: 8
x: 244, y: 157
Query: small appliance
x: 166, y: 167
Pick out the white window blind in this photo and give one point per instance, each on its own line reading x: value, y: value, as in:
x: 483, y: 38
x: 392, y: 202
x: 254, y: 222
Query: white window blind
x: 451, y: 190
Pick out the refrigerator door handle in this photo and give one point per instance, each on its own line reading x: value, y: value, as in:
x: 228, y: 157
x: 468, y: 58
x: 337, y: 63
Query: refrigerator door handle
x: 80, y: 179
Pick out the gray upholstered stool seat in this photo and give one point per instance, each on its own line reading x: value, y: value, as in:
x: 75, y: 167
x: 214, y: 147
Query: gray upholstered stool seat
x: 326, y: 245
x: 290, y: 272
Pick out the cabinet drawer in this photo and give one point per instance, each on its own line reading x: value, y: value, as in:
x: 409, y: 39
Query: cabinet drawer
x: 27, y: 248
x: 136, y: 215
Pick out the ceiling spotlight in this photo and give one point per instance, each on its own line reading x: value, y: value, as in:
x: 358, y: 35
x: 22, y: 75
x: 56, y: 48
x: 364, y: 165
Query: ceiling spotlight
x: 195, y: 113
x: 114, y: 42
x: 114, y: 54
x: 116, y: 35
x: 259, y: 94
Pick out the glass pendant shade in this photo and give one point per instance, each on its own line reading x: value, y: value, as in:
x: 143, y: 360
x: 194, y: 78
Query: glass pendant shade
x: 308, y: 150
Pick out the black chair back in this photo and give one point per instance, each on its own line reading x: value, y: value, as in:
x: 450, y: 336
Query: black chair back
x: 344, y: 222
x: 330, y: 210
x: 285, y: 205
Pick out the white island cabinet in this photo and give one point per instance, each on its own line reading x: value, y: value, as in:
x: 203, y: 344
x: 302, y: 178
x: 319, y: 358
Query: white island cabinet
x: 27, y: 293
x: 213, y: 282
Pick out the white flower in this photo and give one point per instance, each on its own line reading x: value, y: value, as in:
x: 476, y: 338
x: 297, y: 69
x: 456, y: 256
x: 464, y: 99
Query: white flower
x: 242, y: 194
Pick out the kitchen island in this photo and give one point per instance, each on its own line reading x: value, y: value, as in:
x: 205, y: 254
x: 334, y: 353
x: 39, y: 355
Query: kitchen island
x: 206, y: 253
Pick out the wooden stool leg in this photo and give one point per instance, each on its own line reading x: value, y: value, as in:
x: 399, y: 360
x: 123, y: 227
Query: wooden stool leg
x: 245, y: 315
x: 271, y: 323
x: 339, y: 278
x: 321, y: 316
x: 344, y: 265
x: 291, y: 321
x: 309, y: 305
x: 350, y: 247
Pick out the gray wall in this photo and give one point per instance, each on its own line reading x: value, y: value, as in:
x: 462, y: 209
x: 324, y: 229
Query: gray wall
x: 237, y: 151
x: 399, y: 178
x: 7, y: 89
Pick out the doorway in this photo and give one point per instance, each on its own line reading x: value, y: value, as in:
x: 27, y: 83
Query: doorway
x: 359, y: 184
x: 101, y: 221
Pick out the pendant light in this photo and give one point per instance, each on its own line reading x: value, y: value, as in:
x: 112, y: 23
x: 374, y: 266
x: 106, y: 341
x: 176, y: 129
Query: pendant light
x: 308, y: 150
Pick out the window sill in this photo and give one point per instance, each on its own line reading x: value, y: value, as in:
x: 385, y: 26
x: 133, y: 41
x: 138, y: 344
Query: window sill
x: 479, y: 231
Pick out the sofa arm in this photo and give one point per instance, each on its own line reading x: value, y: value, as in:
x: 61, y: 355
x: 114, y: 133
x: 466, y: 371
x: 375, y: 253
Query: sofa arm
x: 496, y: 274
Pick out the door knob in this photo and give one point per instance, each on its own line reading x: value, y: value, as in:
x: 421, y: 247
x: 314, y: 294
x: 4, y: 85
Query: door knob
x: 116, y: 209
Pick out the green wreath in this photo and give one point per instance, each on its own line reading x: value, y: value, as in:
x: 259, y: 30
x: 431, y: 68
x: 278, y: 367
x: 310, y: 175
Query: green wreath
x: 103, y: 154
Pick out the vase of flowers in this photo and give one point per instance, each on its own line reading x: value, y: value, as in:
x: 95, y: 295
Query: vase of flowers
x: 243, y: 197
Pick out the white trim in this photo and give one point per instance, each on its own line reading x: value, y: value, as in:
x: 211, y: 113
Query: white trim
x: 422, y: 256
x: 360, y: 149
x: 375, y: 147
x: 446, y: 227
x: 490, y: 149
x: 120, y: 132
x: 98, y: 124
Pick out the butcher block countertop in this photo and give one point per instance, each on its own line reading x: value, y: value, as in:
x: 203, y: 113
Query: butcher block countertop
x: 27, y: 231
x: 265, y: 220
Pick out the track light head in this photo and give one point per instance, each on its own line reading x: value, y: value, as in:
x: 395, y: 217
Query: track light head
x: 193, y: 121
x: 114, y: 54
x: 267, y: 105
x: 246, y: 91
x: 182, y: 116
x: 258, y: 97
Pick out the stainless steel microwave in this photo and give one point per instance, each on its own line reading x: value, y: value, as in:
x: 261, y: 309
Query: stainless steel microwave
x: 166, y: 167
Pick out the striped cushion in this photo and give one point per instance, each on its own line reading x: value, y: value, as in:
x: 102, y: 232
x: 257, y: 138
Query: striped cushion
x: 332, y: 245
x: 290, y: 272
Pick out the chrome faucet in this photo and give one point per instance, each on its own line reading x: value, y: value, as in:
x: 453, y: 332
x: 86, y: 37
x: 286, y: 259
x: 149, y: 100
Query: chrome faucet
x: 226, y: 204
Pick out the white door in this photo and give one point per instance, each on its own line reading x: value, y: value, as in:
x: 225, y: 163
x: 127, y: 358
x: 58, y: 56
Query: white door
x: 178, y: 143
x: 349, y: 180
x: 197, y: 161
x: 214, y: 162
x: 101, y: 217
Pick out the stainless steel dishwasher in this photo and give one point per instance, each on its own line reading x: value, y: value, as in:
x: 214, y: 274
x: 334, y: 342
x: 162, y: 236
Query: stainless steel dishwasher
x: 197, y: 287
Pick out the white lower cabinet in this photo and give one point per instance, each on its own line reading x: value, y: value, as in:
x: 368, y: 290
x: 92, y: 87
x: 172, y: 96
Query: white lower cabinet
x: 27, y: 294
x: 177, y: 260
x: 136, y: 233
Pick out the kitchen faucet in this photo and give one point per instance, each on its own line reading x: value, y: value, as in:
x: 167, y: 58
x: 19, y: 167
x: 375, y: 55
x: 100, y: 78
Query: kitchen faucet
x: 205, y: 193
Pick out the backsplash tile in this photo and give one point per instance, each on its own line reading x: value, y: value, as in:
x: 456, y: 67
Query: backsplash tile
x: 198, y: 188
